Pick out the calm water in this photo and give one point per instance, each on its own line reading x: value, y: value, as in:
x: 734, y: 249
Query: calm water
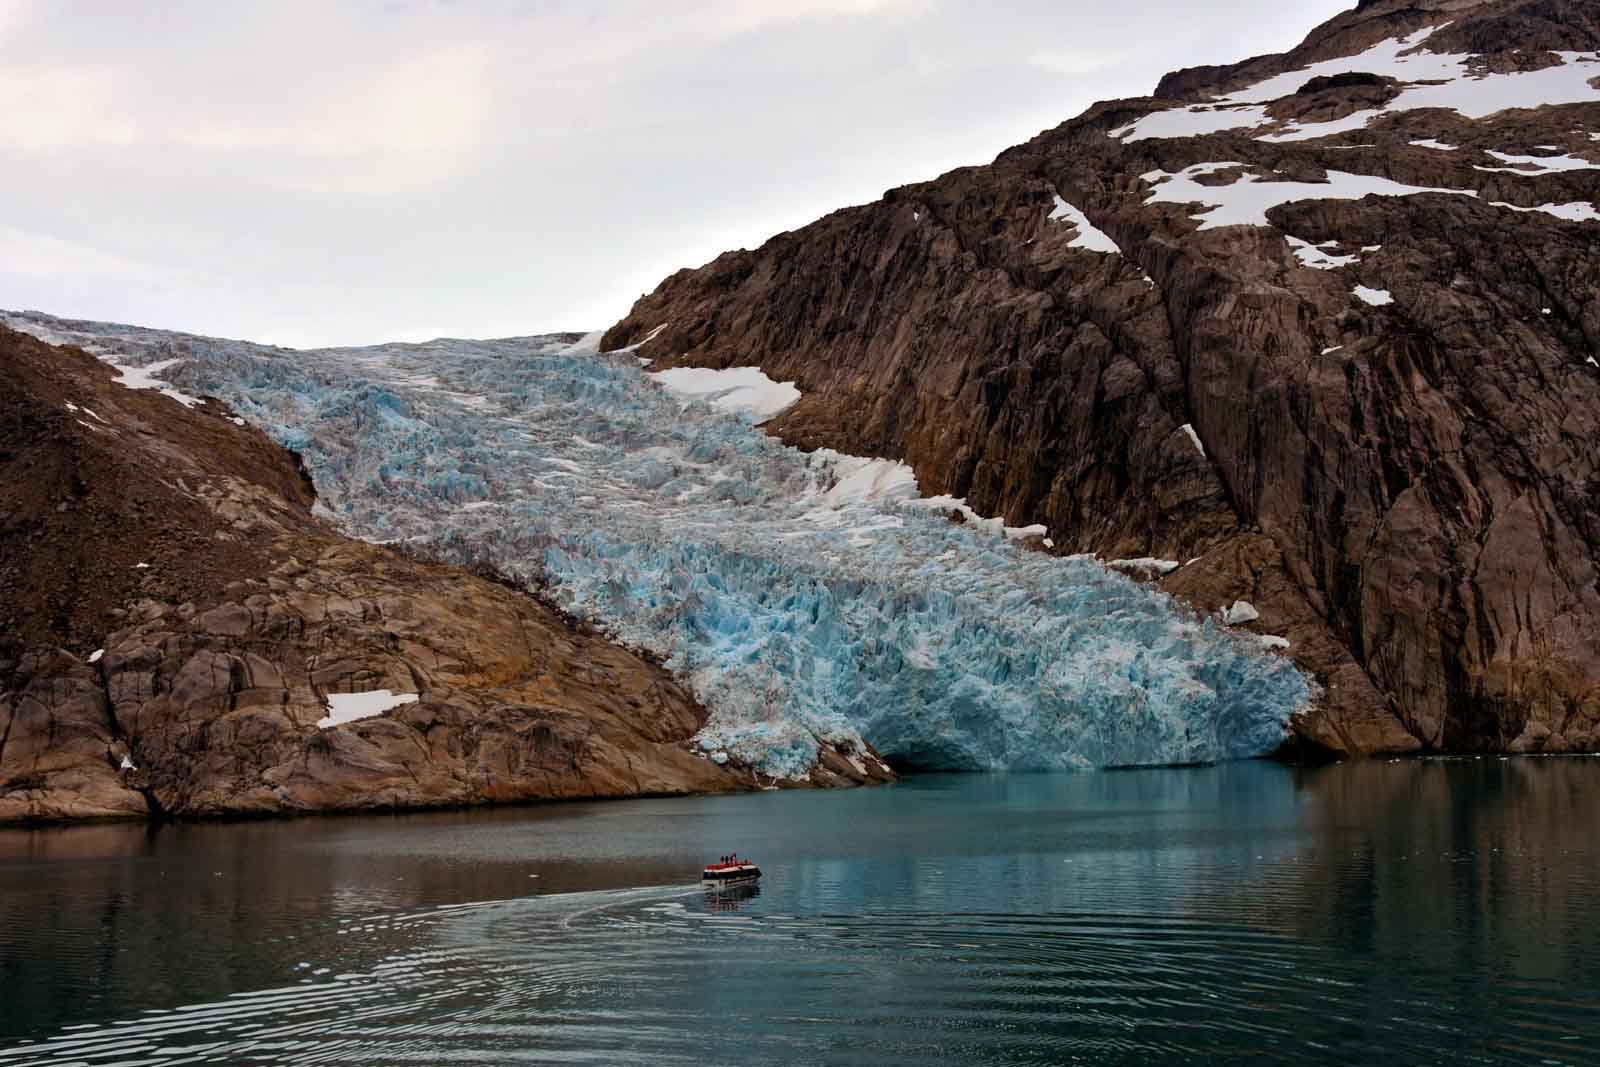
x: 1439, y: 911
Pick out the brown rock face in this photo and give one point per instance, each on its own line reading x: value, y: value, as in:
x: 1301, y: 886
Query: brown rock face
x: 193, y: 685
x: 1409, y: 492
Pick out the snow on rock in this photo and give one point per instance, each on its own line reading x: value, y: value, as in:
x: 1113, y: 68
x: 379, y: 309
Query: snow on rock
x: 126, y: 764
x: 1533, y: 166
x: 805, y: 599
x: 1375, y: 297
x: 1188, y: 428
x: 742, y: 391
x: 145, y: 378
x: 94, y: 657
x: 1332, y: 350
x: 858, y: 479
x: 1145, y: 566
x: 1273, y: 641
x: 1577, y: 211
x: 1316, y: 256
x: 1437, y: 146
x: 348, y: 707
x: 1089, y: 236
x: 1197, y: 120
x: 1246, y: 200
x: 1240, y: 611
x: 1429, y: 79
x: 109, y: 348
x: 590, y: 342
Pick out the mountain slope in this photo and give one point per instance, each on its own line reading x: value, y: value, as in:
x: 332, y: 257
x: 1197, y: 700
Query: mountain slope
x: 1342, y: 359
x: 176, y: 620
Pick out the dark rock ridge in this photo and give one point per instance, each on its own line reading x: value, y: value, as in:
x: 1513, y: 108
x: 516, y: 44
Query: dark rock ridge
x: 1409, y: 491
x: 181, y: 547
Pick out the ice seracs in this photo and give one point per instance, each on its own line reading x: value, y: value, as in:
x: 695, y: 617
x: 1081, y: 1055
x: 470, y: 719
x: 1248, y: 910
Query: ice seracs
x: 807, y: 599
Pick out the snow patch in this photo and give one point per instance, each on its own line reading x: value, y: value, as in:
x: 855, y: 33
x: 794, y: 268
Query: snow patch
x: 145, y: 378
x: 589, y: 343
x: 742, y: 391
x: 1273, y: 641
x: 1089, y: 236
x: 94, y: 657
x: 1577, y: 211
x: 1538, y: 164
x: 126, y: 764
x: 1430, y: 79
x: 1375, y: 297
x: 1246, y: 201
x: 1240, y: 611
x: 1316, y: 256
x: 1145, y: 566
x: 1437, y: 146
x: 1188, y: 428
x: 348, y: 707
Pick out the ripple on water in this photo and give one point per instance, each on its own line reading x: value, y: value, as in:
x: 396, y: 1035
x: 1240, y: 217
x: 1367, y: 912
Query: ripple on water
x: 667, y: 975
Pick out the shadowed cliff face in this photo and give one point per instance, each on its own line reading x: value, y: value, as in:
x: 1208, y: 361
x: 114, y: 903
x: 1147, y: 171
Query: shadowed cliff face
x: 174, y: 620
x: 1395, y: 394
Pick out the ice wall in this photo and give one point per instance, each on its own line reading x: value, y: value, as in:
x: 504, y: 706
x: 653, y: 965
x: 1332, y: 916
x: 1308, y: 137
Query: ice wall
x: 804, y: 597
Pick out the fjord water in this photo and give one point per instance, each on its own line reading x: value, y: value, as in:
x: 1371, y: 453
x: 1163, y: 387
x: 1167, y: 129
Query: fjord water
x: 1424, y: 911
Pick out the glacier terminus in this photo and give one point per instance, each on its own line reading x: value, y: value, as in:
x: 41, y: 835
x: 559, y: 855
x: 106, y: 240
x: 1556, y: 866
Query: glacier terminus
x: 806, y: 598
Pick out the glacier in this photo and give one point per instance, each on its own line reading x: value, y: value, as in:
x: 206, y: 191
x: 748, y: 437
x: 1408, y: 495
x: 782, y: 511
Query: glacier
x: 805, y: 598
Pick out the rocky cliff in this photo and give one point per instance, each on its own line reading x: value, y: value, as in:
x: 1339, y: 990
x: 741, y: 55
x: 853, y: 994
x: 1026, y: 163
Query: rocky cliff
x: 174, y: 619
x: 1321, y: 324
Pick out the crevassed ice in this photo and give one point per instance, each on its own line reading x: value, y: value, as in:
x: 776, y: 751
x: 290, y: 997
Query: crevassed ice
x: 805, y: 598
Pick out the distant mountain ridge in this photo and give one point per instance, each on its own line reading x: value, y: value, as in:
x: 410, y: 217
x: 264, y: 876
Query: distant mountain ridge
x: 1343, y: 365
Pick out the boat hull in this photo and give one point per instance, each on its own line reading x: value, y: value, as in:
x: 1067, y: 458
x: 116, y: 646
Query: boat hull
x: 722, y: 877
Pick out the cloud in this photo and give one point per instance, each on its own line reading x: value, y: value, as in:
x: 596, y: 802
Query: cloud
x: 349, y: 172
x: 41, y: 256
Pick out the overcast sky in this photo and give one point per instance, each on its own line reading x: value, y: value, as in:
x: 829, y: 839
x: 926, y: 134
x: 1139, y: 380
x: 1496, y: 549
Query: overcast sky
x: 313, y: 173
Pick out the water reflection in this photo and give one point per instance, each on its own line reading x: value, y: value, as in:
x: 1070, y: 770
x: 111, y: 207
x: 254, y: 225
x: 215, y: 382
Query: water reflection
x: 1414, y: 910
x: 730, y: 898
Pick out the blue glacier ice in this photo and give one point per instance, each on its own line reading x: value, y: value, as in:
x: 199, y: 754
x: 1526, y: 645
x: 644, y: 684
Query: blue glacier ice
x: 797, y: 612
